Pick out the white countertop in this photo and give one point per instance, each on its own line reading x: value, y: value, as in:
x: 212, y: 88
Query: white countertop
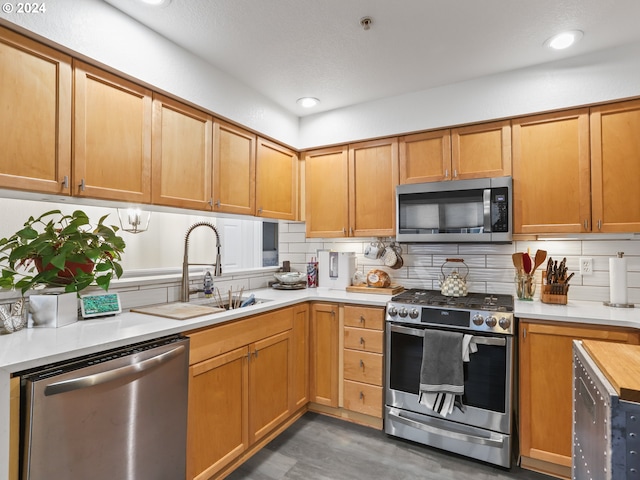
x: 35, y: 347
x: 32, y: 347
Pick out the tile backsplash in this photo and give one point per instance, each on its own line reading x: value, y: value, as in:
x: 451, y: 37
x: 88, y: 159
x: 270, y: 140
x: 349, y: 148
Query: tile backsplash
x: 490, y: 265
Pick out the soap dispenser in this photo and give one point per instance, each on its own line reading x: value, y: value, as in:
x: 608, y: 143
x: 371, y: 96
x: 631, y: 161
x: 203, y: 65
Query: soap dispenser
x: 208, y: 285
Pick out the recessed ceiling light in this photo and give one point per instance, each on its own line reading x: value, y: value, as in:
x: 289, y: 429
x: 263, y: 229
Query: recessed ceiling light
x: 564, y: 40
x: 308, y: 102
x: 156, y: 3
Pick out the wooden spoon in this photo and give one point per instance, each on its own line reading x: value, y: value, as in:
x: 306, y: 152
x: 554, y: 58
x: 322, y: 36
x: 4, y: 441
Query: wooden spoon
x: 518, y: 262
x: 541, y: 255
x: 526, y: 263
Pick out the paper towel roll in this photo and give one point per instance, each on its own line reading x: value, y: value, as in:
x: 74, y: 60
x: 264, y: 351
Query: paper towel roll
x: 618, y: 280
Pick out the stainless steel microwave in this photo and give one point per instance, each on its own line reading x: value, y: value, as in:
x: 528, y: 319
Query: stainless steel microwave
x: 477, y: 210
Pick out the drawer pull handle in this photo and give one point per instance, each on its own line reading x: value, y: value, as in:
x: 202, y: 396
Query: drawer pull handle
x: 361, y: 341
x: 361, y: 318
x: 361, y: 396
x: 361, y: 364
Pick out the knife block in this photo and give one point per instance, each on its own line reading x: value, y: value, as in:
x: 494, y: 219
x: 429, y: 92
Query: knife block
x: 555, y: 293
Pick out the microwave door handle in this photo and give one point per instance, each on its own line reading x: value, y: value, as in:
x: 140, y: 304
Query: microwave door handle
x: 486, y: 208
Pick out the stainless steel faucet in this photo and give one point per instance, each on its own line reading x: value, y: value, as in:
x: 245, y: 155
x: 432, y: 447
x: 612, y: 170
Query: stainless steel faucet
x: 184, y: 289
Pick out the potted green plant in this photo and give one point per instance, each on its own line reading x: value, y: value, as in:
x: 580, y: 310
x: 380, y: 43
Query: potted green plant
x: 60, y: 250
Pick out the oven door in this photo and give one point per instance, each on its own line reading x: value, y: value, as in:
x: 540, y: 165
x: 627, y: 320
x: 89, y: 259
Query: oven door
x: 488, y: 378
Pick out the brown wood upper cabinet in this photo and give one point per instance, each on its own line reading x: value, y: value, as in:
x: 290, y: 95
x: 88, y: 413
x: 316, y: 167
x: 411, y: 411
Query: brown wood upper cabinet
x: 562, y: 186
x: 182, y: 155
x: 615, y: 167
x: 35, y: 116
x: 327, y: 192
x: 350, y: 190
x: 276, y: 181
x: 476, y: 151
x: 112, y: 136
x: 234, y: 169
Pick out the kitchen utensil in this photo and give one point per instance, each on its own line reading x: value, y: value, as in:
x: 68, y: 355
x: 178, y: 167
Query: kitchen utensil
x: 518, y: 262
x: 526, y: 263
x: 539, y: 258
x: 454, y: 285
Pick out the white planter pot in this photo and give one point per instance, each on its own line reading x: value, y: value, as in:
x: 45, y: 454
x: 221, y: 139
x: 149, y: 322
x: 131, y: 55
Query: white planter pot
x: 53, y: 309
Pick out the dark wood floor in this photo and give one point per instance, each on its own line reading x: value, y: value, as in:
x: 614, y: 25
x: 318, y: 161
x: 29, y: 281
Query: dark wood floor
x: 318, y: 447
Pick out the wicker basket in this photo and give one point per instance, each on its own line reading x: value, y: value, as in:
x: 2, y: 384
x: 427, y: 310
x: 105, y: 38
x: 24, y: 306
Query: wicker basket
x: 555, y: 293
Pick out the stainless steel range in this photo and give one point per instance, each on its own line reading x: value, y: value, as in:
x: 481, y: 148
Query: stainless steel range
x: 484, y: 429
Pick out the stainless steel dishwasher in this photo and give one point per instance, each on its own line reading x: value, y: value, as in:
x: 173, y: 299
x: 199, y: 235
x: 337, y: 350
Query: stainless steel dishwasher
x: 121, y: 414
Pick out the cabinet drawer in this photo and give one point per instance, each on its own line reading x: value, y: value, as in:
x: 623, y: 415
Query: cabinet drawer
x: 363, y: 398
x: 363, y: 367
x: 364, y: 317
x: 363, y: 339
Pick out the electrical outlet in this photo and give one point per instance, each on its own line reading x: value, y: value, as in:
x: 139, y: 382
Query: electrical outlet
x: 586, y: 266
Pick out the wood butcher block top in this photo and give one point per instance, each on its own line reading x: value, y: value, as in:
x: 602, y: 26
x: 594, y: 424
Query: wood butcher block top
x: 391, y: 290
x: 620, y: 363
x: 178, y: 311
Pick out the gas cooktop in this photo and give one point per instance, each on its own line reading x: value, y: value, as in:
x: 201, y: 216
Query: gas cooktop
x: 473, y: 301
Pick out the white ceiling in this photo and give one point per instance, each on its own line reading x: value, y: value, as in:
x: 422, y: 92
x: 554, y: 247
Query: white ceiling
x: 287, y: 49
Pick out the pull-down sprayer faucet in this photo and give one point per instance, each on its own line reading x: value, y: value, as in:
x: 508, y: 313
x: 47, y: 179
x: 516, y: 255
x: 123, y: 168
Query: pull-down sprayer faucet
x: 184, y: 289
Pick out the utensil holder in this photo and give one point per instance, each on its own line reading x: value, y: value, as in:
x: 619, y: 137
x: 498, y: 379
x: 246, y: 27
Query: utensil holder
x: 525, y: 286
x: 555, y: 293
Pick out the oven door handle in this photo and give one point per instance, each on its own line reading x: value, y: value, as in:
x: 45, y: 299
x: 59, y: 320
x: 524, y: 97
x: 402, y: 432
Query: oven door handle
x: 464, y: 437
x: 478, y: 339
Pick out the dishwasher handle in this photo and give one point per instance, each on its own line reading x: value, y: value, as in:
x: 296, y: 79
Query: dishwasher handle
x: 111, y: 375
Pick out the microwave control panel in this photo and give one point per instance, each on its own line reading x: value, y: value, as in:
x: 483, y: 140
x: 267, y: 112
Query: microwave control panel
x: 500, y: 209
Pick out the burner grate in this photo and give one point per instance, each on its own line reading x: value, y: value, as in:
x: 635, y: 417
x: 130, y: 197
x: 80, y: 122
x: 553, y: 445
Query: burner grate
x: 473, y: 301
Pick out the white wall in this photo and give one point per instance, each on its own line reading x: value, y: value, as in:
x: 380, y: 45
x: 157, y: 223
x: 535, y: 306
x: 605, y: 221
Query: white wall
x: 99, y: 31
x: 604, y: 76
x: 490, y: 265
x: 102, y: 33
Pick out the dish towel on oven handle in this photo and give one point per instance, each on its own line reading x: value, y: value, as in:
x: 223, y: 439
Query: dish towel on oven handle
x: 441, y: 372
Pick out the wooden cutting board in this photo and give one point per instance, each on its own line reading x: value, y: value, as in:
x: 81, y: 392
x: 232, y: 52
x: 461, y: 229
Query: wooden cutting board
x: 620, y: 363
x: 178, y: 311
x: 391, y: 290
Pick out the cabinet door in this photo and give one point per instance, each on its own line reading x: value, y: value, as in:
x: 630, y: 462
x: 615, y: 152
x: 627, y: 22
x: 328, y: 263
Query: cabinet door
x: 615, y: 167
x: 481, y: 151
x: 217, y: 429
x: 112, y: 137
x: 326, y: 192
x: 234, y: 170
x: 276, y: 181
x: 300, y: 357
x: 270, y: 376
x: 373, y: 176
x: 546, y: 389
x: 35, y: 116
x: 181, y: 155
x: 551, y: 177
x: 425, y: 157
x: 324, y: 354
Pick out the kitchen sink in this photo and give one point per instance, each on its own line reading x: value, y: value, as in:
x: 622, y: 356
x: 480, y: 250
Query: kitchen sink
x: 195, y: 308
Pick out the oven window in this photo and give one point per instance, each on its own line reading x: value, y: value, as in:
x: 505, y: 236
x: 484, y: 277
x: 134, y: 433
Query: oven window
x: 484, y: 375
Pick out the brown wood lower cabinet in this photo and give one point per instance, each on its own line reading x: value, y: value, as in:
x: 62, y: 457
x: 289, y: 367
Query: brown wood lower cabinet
x: 546, y: 361
x: 363, y: 362
x: 324, y: 354
x: 244, y: 384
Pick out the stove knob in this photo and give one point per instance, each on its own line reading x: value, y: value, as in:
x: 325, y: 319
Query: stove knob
x: 504, y: 323
x: 477, y: 319
x: 414, y: 313
x: 491, y: 322
x: 392, y: 311
x: 403, y: 312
